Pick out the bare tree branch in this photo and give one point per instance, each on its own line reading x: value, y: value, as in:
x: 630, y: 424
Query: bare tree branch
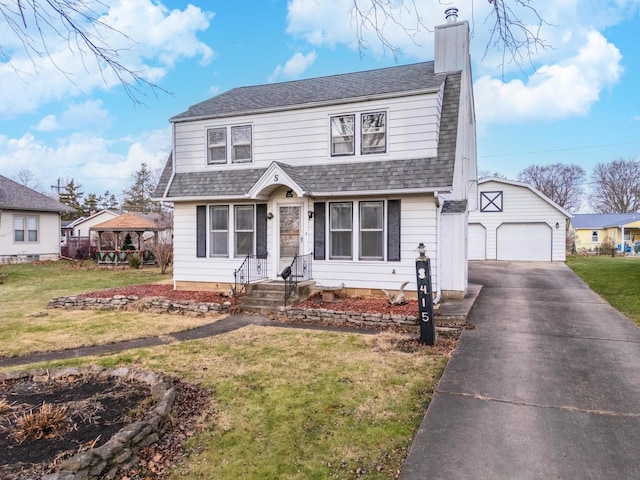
x: 561, y: 183
x: 35, y: 23
x: 616, y: 187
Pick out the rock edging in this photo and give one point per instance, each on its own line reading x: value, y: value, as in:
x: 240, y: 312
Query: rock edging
x: 133, y: 302
x: 120, y: 450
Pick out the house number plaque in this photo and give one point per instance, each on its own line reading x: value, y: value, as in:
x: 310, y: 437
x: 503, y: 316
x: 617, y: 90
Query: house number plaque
x: 425, y: 300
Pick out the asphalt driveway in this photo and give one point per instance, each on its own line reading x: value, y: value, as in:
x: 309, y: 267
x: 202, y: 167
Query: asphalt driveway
x: 547, y: 385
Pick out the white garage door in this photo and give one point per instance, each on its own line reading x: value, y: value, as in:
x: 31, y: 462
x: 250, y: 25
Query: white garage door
x: 524, y: 241
x: 477, y: 242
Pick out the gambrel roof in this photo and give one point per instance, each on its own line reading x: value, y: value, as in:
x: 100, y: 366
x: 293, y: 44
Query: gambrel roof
x: 417, y: 175
x: 14, y: 196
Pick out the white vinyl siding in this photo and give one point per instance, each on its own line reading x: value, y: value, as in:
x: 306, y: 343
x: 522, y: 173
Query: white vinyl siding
x: 521, y: 206
x: 302, y: 137
x: 45, y: 240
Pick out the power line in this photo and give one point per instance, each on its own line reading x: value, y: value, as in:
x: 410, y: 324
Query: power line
x: 536, y: 152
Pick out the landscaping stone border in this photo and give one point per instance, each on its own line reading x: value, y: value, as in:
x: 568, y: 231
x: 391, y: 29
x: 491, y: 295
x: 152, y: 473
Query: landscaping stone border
x: 133, y: 302
x: 120, y: 450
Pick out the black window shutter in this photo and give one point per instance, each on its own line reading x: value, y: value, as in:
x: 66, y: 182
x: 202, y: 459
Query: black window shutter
x: 261, y: 230
x: 393, y: 230
x: 319, y: 225
x: 201, y: 231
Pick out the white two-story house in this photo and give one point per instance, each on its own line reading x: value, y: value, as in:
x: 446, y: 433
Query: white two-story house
x: 347, y: 174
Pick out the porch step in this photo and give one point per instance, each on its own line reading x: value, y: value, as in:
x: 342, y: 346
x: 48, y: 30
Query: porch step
x: 268, y: 296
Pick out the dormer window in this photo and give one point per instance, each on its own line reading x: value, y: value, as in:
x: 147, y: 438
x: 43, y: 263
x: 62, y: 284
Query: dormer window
x: 369, y: 136
x: 240, y: 151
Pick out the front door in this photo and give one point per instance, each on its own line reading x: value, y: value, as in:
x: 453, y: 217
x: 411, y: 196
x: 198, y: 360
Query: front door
x: 290, y: 234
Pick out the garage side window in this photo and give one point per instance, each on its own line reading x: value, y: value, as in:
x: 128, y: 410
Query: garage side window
x: 491, y: 201
x: 594, y: 236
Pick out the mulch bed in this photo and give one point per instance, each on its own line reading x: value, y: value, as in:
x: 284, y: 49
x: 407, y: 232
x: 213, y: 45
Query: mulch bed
x: 369, y: 305
x: 162, y: 290
x: 95, y: 409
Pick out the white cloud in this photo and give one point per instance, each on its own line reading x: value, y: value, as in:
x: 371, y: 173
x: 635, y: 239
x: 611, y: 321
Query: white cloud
x: 560, y: 90
x: 154, y: 40
x: 294, y: 67
x: 95, y: 162
x: 78, y: 116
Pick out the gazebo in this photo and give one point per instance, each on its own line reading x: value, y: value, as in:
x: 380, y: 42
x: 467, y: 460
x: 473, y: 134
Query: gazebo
x: 137, y: 223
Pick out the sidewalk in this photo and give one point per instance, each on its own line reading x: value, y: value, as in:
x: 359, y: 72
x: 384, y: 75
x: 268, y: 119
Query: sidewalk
x: 453, y: 311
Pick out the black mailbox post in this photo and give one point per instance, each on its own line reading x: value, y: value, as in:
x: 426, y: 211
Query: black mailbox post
x: 425, y: 298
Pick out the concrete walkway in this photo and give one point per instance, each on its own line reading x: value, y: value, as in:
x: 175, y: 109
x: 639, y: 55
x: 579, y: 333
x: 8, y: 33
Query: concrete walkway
x: 547, y: 385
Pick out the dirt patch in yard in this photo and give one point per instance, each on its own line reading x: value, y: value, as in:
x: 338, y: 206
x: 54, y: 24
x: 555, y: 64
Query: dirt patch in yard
x: 42, y: 422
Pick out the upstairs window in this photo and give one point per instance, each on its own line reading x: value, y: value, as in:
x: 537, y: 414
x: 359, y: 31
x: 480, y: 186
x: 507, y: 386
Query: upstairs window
x: 25, y: 229
x: 241, y: 144
x: 217, y: 143
x: 374, y: 133
x: 240, y: 150
x: 342, y: 135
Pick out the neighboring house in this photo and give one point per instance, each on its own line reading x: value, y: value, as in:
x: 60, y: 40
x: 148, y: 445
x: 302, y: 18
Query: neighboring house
x: 593, y: 229
x: 352, y: 171
x: 514, y: 221
x: 79, y: 240
x: 29, y: 224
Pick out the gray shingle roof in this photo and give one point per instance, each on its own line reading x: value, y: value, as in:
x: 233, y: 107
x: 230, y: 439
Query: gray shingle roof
x: 14, y: 196
x: 407, y: 174
x: 454, y: 206
x: 405, y: 78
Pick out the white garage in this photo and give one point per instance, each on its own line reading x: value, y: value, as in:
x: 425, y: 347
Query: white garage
x: 514, y: 221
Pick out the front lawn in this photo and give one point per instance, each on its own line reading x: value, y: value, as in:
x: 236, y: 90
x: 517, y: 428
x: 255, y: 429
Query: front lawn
x: 287, y: 403
x: 616, y: 279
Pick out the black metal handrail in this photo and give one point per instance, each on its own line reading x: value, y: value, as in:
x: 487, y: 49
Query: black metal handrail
x: 253, y: 268
x: 299, y: 271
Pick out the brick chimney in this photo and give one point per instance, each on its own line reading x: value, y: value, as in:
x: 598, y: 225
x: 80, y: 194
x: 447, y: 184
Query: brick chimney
x: 452, y: 44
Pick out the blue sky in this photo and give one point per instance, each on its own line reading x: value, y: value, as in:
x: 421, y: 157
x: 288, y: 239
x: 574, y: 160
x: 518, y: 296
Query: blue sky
x: 578, y: 102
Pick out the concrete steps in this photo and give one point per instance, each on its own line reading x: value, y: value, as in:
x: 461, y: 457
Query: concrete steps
x: 268, y: 296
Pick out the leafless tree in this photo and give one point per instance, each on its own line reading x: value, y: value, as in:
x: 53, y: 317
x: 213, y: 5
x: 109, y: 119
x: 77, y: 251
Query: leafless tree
x: 561, y: 183
x: 616, y: 186
x: 162, y: 248
x: 27, y: 178
x: 35, y: 22
x: 515, y: 25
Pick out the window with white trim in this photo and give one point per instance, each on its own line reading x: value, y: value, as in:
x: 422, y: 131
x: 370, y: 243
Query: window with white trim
x: 219, y: 221
x: 369, y: 136
x: 374, y: 134
x: 25, y: 229
x: 372, y: 230
x: 241, y: 147
x: 340, y: 230
x: 217, y: 145
x: 243, y: 218
x: 594, y: 236
x: 342, y: 135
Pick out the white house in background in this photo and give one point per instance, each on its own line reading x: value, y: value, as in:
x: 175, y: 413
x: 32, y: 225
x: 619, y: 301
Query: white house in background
x: 29, y: 224
x: 81, y: 227
x: 350, y: 172
x: 515, y: 221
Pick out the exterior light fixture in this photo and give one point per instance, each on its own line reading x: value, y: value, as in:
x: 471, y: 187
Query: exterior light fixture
x: 421, y: 250
x: 557, y: 225
x: 269, y: 216
x: 310, y: 213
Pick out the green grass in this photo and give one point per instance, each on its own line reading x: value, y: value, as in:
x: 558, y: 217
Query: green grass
x: 286, y: 403
x: 616, y: 279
